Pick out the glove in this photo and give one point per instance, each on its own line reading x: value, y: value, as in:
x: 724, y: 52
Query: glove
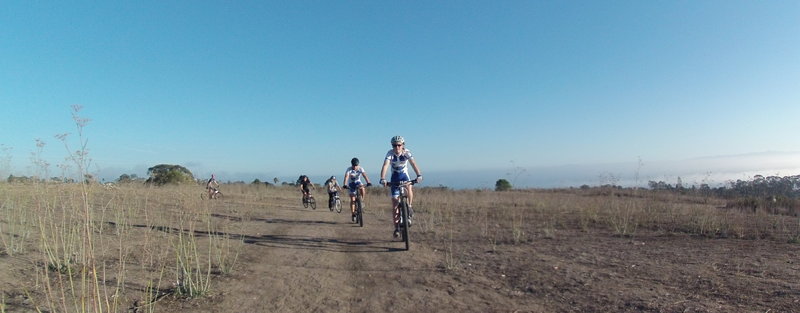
x: 369, y: 184
x: 383, y: 182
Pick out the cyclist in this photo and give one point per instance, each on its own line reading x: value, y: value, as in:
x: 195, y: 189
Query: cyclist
x: 212, y: 186
x: 304, y: 182
x: 399, y: 157
x: 352, y: 181
x: 333, y: 190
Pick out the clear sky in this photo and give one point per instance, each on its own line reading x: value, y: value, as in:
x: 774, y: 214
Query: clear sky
x: 262, y: 89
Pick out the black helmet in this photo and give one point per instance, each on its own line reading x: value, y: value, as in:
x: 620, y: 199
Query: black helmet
x: 354, y: 162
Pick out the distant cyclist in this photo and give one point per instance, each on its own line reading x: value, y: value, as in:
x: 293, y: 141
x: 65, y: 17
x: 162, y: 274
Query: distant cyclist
x: 352, y: 179
x: 305, y: 185
x: 333, y: 190
x: 399, y: 157
x: 212, y: 186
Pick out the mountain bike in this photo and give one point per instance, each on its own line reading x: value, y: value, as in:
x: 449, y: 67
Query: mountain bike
x: 359, y: 208
x: 216, y: 194
x: 402, y: 207
x: 337, y: 203
x: 309, y: 201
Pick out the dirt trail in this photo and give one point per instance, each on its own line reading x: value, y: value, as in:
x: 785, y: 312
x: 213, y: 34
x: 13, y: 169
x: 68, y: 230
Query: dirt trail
x: 303, y: 260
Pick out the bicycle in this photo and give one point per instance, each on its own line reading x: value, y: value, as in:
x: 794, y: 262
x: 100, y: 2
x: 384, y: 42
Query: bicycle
x: 309, y: 201
x: 402, y: 207
x: 359, y: 209
x: 216, y: 194
x: 337, y: 203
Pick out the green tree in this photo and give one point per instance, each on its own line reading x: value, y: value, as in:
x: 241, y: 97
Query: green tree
x: 169, y: 174
x: 502, y: 185
x: 128, y: 178
x: 256, y: 182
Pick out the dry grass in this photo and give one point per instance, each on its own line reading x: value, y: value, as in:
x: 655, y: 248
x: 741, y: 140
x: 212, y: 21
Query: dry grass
x: 92, y: 249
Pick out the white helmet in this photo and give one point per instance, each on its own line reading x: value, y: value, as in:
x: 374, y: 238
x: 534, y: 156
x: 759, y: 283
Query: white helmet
x: 398, y: 140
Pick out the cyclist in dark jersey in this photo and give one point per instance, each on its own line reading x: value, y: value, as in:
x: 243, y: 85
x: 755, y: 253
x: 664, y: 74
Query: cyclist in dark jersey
x: 305, y: 185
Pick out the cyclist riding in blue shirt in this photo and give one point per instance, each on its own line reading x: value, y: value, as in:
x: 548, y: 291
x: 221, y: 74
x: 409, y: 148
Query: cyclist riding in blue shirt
x: 399, y: 158
x: 352, y: 179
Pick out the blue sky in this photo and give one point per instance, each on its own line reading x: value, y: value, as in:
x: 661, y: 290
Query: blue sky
x: 480, y: 89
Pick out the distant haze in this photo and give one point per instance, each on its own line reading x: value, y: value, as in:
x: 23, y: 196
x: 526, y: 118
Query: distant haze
x: 714, y: 171
x: 709, y: 170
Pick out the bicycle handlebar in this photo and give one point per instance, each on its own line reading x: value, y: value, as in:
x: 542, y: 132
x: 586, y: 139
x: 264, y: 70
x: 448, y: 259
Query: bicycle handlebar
x: 401, y: 183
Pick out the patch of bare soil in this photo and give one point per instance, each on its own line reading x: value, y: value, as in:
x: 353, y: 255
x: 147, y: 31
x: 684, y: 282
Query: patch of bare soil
x: 301, y: 260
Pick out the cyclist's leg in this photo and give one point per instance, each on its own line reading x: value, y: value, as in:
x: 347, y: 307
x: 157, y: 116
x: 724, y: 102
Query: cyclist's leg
x: 394, y: 193
x: 354, y: 187
x: 396, y: 215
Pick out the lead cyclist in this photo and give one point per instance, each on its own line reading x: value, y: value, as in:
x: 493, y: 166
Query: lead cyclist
x: 399, y: 158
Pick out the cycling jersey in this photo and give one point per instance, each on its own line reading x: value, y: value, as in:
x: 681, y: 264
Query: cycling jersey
x: 399, y: 163
x: 211, y: 183
x: 305, y: 185
x: 354, y: 175
x: 331, y: 186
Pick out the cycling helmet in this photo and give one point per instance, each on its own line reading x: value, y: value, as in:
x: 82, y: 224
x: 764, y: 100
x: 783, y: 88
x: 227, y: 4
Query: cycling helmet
x: 333, y: 178
x: 398, y: 140
x: 354, y: 162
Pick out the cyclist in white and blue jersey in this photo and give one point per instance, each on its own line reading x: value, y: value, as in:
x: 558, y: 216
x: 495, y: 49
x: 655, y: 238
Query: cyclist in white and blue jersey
x: 399, y: 158
x: 352, y: 179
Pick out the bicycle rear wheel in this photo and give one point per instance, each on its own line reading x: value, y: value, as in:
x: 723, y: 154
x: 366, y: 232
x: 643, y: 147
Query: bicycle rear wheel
x: 404, y: 221
x: 359, y: 212
x: 305, y: 202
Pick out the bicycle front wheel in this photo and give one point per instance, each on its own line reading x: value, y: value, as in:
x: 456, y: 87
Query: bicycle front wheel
x: 360, y: 212
x: 404, y: 221
x: 338, y: 205
x: 313, y: 203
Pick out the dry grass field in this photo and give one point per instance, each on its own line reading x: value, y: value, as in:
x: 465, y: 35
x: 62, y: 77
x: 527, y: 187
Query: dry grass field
x: 77, y: 248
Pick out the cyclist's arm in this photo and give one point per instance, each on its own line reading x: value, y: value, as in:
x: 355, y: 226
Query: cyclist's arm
x: 346, y: 178
x: 383, y: 169
x: 416, y: 169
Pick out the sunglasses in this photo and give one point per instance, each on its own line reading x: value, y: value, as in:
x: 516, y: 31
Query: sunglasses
x: 394, y: 145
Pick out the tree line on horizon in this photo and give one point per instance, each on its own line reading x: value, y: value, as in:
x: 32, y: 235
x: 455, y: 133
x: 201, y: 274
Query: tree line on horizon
x: 759, y: 186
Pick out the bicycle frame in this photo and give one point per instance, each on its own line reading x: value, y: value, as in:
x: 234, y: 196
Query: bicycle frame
x: 402, y: 207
